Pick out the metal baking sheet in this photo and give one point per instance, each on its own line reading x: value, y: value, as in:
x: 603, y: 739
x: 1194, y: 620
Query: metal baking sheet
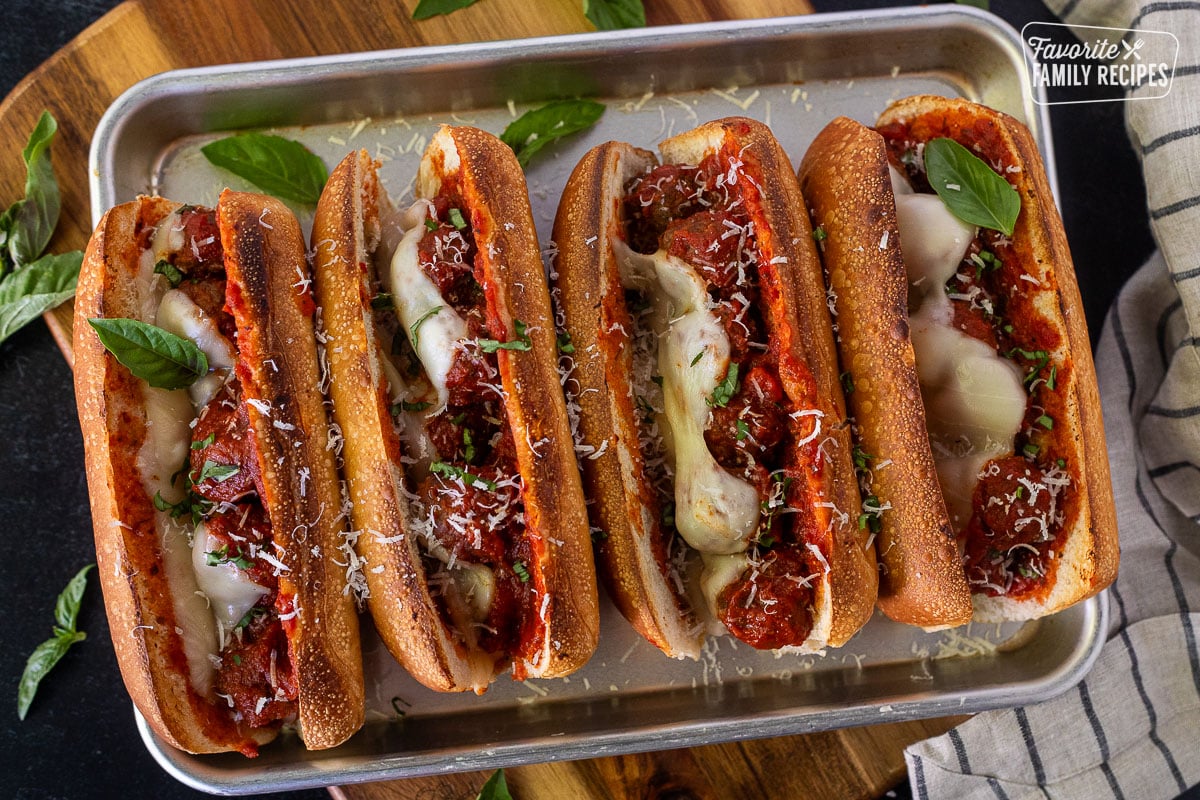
x: 796, y: 74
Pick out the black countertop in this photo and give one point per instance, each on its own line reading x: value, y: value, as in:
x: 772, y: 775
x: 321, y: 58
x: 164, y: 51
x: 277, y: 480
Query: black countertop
x: 79, y: 739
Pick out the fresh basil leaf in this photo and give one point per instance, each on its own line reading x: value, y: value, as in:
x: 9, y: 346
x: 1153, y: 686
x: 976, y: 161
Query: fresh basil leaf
x: 158, y: 357
x: 970, y: 188
x: 34, y: 219
x: 537, y: 127
x: 40, y: 662
x: 432, y: 8
x: 36, y: 288
x: 48, y: 653
x: 215, y: 472
x: 278, y: 166
x: 66, y: 610
x: 496, y: 788
x: 611, y: 15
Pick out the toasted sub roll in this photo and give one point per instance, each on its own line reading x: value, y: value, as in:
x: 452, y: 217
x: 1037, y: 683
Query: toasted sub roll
x: 458, y: 453
x: 711, y: 427
x: 216, y: 506
x: 845, y: 180
x: 1005, y: 368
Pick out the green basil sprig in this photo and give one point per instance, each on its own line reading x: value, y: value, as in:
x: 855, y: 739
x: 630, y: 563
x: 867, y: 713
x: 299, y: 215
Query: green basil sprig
x: 32, y: 284
x: 970, y: 188
x: 49, y: 652
x: 279, y: 166
x: 537, y: 127
x: 158, y: 357
x: 611, y: 15
x: 496, y: 788
x: 432, y: 8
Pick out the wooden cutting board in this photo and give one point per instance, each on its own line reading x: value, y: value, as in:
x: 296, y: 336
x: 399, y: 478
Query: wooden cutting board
x: 140, y: 38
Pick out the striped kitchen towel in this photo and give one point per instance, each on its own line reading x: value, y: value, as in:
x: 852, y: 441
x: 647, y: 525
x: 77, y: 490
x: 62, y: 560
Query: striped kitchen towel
x: 1131, y: 729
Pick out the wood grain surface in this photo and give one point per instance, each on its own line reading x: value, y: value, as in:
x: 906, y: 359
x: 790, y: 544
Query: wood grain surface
x: 144, y: 37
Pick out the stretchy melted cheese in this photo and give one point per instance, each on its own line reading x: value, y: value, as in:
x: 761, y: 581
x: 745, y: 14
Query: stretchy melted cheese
x: 974, y: 398
x: 715, y: 511
x: 433, y: 327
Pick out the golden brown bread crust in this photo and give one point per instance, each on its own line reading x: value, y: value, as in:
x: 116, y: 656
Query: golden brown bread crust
x: 112, y: 416
x: 586, y: 272
x: 799, y: 331
x: 845, y: 181
x: 278, y: 366
x: 553, y: 495
x: 510, y: 265
x: 1089, y: 561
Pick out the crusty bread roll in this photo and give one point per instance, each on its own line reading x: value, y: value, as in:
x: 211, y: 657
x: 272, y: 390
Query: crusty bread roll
x: 622, y: 352
x: 417, y: 600
x: 844, y: 178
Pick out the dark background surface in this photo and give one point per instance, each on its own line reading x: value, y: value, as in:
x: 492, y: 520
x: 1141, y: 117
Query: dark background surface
x: 79, y: 739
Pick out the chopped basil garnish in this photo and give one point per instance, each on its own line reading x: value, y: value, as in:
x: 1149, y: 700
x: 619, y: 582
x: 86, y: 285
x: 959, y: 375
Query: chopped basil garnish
x: 216, y: 557
x: 565, y: 345
x: 169, y: 271
x: 431, y: 223
x: 278, y: 166
x: 249, y: 617
x: 205, y: 442
x: 668, y: 515
x: 726, y: 389
x: 468, y: 446
x: 862, y: 459
x: 458, y: 473
x: 48, y: 653
x: 819, y: 235
x: 381, y: 301
x: 456, y: 219
x: 217, y: 473
x: 696, y: 360
x: 847, y: 383
x: 970, y: 188
x: 415, y: 327
x: 1031, y: 450
x: 743, y: 430
x: 521, y: 571
x: 522, y: 342
x: 1046, y: 421
x: 158, y: 357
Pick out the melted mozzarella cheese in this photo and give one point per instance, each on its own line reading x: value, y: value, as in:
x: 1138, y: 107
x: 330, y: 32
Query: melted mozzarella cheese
x: 229, y: 589
x: 179, y: 315
x: 719, y: 572
x: 193, y: 618
x: 436, y: 327
x: 974, y: 398
x: 715, y: 511
x: 934, y: 240
x: 168, y: 434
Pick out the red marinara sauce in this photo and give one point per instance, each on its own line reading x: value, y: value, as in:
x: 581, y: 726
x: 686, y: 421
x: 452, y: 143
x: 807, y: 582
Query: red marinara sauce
x: 1024, y: 502
x: 706, y: 216
x: 473, y: 495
